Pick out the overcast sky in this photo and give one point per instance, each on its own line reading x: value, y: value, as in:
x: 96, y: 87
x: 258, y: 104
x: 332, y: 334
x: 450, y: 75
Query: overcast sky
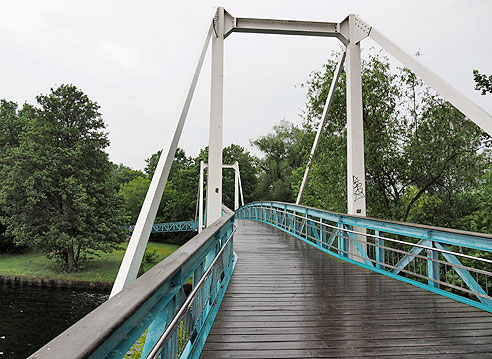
x: 135, y: 59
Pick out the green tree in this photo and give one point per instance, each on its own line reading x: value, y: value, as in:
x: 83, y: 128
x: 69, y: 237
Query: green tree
x: 482, y: 82
x: 13, y: 123
x: 180, y: 204
x: 59, y: 191
x: 177, y: 205
x: 152, y: 163
x: 480, y: 201
x: 123, y: 174
x: 133, y: 195
x: 283, y: 152
x: 247, y: 170
x: 446, y: 156
x: 180, y: 161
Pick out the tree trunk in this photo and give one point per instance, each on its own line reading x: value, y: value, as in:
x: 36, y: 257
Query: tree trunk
x: 77, y: 257
x: 70, y: 259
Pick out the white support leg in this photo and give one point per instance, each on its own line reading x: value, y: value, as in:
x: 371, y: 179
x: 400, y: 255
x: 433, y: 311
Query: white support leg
x: 336, y: 75
x: 214, y: 178
x: 136, y: 248
x: 236, y: 185
x: 240, y: 185
x: 200, y: 203
x: 356, y: 178
x: 241, y: 189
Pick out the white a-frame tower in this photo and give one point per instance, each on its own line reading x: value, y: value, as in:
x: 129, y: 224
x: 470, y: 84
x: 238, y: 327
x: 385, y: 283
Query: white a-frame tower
x: 350, y: 32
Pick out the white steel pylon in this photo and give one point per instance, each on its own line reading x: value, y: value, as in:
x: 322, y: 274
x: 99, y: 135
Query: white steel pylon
x: 214, y: 178
x: 350, y: 32
x: 238, y: 190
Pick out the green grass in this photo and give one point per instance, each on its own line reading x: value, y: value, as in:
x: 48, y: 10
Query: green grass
x: 99, y: 269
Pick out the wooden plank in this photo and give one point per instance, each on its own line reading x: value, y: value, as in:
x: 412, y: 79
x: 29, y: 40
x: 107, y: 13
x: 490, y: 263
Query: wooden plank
x: 336, y: 303
x: 274, y: 316
x: 278, y: 325
x: 465, y: 351
x: 347, y: 343
x: 468, y: 330
x: 337, y: 336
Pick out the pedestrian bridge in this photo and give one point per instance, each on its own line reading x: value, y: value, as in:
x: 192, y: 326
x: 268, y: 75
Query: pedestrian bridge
x: 280, y: 280
x: 171, y: 227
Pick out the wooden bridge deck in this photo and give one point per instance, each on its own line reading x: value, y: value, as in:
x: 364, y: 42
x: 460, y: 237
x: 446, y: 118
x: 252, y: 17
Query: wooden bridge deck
x: 287, y: 299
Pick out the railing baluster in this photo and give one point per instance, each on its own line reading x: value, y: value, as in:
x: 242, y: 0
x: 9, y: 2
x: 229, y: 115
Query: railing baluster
x: 379, y: 250
x: 433, y: 267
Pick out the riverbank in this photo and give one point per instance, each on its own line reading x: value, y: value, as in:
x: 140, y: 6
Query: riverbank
x: 34, y: 269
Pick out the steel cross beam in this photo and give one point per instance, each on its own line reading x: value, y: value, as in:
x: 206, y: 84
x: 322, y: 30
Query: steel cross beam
x: 282, y: 27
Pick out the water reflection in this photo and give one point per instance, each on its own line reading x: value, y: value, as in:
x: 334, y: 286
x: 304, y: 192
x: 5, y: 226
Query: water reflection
x: 30, y: 317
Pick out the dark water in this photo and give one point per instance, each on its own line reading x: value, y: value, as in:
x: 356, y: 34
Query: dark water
x: 31, y: 317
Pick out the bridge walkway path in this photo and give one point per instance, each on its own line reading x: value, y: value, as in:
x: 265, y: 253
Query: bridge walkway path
x: 286, y: 299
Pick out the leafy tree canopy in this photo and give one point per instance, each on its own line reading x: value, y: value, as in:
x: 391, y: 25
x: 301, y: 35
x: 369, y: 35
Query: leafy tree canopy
x: 179, y: 199
x: 123, y: 174
x: 58, y: 191
x: 284, y: 151
x: 482, y: 82
x: 248, y: 172
x: 13, y: 123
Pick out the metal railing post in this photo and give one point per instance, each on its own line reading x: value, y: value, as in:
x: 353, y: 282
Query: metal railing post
x: 433, y: 267
x: 342, y: 241
x: 379, y: 249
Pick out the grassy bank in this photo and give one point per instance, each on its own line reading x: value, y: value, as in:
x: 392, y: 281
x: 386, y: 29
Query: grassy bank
x: 99, y: 269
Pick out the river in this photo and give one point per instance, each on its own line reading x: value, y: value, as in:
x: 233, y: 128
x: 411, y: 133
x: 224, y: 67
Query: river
x: 30, y: 317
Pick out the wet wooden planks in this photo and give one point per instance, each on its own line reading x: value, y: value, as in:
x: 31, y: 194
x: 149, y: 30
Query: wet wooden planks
x: 287, y: 299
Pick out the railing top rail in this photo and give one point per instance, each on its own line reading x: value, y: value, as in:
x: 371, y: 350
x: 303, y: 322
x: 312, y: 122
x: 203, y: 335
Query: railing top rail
x: 85, y: 336
x: 370, y: 219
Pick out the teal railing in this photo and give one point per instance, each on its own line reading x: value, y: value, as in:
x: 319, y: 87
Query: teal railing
x: 453, y: 263
x: 170, y: 227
